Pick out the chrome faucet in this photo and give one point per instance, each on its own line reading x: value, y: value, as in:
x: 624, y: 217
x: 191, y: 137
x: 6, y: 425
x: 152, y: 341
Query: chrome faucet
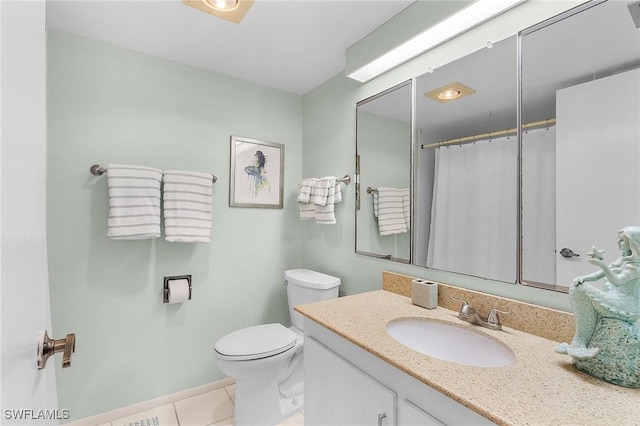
x: 472, y: 315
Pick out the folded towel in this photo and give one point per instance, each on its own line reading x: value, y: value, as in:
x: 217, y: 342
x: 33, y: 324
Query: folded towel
x: 324, y: 205
x: 405, y: 193
x: 134, y: 202
x: 187, y: 206
x: 305, y: 188
x: 391, y: 218
x: 338, y: 193
x: 307, y: 211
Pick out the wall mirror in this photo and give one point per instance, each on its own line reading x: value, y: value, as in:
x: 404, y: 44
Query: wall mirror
x: 383, y: 166
x: 581, y: 169
x: 466, y: 176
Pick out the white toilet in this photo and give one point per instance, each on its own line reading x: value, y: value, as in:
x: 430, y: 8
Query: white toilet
x: 266, y: 360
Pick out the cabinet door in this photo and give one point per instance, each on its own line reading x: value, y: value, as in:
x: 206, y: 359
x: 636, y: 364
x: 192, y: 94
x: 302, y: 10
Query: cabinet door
x: 412, y: 415
x: 339, y: 393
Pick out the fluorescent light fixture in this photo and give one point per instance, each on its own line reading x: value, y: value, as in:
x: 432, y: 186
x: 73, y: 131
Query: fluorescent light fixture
x: 461, y: 21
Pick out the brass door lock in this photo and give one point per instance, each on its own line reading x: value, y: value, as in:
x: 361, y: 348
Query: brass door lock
x: 48, y: 347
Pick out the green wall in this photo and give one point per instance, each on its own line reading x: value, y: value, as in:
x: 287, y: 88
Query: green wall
x: 107, y: 104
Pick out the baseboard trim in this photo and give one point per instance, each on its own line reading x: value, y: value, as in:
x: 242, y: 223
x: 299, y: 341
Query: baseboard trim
x: 118, y: 413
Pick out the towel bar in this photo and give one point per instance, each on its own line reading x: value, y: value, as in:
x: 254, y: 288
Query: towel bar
x: 98, y: 170
x: 346, y: 179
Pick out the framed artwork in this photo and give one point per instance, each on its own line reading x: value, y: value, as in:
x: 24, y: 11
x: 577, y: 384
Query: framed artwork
x: 257, y: 172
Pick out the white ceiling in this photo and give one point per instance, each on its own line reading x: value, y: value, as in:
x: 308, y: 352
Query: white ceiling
x: 293, y: 45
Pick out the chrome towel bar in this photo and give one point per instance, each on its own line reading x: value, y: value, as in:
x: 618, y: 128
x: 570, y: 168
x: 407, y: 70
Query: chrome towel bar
x: 98, y: 170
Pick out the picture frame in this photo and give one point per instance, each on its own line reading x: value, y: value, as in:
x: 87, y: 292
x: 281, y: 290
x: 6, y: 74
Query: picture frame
x: 257, y: 173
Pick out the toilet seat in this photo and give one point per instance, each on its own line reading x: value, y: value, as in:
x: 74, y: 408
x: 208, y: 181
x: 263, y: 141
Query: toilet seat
x: 260, y: 341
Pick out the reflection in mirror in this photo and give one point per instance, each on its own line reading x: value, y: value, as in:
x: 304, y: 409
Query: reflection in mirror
x: 581, y: 176
x: 466, y: 178
x: 383, y: 150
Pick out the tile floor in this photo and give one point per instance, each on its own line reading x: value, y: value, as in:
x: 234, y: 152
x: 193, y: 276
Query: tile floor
x: 207, y: 409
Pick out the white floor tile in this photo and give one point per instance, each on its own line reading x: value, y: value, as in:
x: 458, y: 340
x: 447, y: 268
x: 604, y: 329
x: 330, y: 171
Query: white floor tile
x: 204, y: 409
x: 161, y: 416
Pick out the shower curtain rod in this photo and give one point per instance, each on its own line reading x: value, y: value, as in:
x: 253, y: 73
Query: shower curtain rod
x: 541, y: 123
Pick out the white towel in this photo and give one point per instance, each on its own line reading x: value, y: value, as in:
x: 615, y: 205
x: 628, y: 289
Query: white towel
x: 406, y: 206
x: 320, y: 191
x: 305, y: 189
x: 307, y: 211
x: 187, y: 206
x: 324, y: 198
x: 338, y: 193
x: 391, y: 218
x: 134, y: 202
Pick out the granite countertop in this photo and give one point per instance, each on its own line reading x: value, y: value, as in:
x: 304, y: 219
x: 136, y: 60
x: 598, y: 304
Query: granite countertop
x: 539, y: 388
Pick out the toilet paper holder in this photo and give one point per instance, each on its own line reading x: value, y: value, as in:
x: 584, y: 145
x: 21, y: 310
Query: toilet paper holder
x: 165, y: 293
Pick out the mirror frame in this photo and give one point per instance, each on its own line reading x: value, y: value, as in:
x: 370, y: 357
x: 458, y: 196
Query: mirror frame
x: 521, y: 34
x: 411, y: 83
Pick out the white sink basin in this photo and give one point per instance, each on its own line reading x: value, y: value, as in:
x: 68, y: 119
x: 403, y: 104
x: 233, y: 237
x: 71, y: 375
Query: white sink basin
x: 450, y: 343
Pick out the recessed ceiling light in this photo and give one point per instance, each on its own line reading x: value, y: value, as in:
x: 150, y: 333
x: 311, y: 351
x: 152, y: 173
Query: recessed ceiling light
x: 448, y: 95
x: 222, y: 5
x: 450, y: 92
x: 230, y: 10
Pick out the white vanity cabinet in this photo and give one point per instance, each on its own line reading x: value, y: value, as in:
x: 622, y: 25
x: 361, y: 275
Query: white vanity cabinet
x: 346, y: 385
x: 341, y: 393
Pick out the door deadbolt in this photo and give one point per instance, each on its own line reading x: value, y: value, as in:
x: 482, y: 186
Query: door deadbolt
x: 48, y: 347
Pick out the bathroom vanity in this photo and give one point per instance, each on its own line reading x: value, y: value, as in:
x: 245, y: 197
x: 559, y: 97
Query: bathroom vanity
x: 356, y: 373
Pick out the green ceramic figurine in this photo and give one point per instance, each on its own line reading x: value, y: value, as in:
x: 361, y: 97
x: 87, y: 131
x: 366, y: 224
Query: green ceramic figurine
x: 606, y: 343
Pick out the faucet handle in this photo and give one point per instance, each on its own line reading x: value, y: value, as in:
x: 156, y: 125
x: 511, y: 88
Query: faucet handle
x: 493, y: 317
x: 464, y: 302
x: 465, y: 309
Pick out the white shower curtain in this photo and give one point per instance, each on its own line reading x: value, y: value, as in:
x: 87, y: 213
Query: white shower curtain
x: 473, y: 219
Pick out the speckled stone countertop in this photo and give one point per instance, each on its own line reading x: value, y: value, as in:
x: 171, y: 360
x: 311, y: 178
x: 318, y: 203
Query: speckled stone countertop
x: 539, y: 388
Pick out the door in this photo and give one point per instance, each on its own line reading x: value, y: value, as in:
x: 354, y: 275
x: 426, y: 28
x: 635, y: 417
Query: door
x: 597, y: 177
x: 28, y: 395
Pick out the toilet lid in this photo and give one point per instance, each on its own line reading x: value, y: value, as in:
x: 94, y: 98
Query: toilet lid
x: 256, y: 342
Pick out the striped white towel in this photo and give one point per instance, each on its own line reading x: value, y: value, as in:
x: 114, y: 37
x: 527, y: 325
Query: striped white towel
x: 134, y: 202
x: 187, y: 206
x: 307, y: 211
x: 305, y: 189
x: 390, y: 213
x: 406, y: 206
x: 324, y: 205
x: 320, y: 191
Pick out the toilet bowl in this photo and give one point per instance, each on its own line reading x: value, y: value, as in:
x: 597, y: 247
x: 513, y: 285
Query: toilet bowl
x: 266, y: 360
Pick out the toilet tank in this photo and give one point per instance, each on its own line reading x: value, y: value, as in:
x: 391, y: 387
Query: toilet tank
x: 306, y: 286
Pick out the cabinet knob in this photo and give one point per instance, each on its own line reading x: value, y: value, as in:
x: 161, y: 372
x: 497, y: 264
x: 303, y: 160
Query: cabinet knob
x: 381, y: 417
